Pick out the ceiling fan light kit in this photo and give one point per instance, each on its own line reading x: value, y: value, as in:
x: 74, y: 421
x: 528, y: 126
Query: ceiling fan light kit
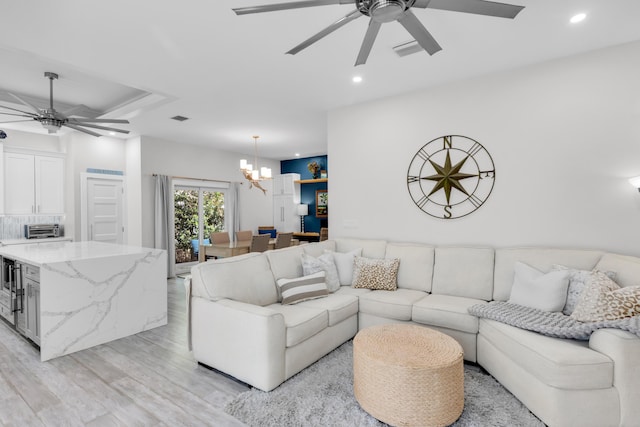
x: 52, y: 120
x: 384, y: 11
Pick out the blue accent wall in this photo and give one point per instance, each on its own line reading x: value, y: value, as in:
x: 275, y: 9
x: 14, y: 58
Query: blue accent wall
x: 308, y: 191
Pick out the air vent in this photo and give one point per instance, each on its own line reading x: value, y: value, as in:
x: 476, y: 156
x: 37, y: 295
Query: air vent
x: 179, y: 118
x: 408, y: 48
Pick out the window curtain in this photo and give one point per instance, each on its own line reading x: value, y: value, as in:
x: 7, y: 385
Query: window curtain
x: 163, y: 229
x: 234, y: 223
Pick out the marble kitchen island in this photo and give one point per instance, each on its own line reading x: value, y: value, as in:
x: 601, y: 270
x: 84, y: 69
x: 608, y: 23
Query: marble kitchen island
x: 92, y: 292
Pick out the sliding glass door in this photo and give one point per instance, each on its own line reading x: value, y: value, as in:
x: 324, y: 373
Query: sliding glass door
x: 198, y: 212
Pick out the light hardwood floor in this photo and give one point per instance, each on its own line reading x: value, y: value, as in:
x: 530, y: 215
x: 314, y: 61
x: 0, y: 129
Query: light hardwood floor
x: 149, y: 379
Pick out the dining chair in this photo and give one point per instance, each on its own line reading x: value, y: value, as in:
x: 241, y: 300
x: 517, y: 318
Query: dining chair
x: 195, y: 246
x: 259, y: 243
x: 324, y: 233
x: 267, y: 229
x: 220, y: 237
x: 244, y: 235
x: 283, y: 240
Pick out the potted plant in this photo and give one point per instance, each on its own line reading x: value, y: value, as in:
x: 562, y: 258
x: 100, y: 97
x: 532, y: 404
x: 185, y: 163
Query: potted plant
x: 314, y: 168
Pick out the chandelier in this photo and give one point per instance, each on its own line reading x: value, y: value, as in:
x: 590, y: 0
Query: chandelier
x: 257, y: 174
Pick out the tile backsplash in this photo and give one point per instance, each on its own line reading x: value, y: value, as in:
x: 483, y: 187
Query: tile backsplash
x: 12, y: 227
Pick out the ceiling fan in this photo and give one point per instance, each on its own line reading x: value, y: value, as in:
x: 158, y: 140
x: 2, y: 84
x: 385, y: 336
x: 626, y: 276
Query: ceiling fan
x: 52, y: 120
x: 383, y: 11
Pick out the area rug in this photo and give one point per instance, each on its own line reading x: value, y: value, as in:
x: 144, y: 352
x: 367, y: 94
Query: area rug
x: 322, y: 395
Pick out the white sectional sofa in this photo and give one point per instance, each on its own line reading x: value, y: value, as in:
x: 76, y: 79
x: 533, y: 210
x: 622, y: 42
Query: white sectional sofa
x: 239, y: 327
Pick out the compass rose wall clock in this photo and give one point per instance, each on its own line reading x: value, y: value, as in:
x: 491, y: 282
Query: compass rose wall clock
x: 451, y: 176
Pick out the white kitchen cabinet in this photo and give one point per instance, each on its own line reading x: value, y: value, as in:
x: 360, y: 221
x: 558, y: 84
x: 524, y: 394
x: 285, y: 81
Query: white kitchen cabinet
x: 33, y: 184
x: 285, y: 215
x: 286, y: 198
x: 286, y: 184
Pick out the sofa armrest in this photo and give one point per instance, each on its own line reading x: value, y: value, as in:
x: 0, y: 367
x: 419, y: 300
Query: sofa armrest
x: 624, y: 349
x: 243, y: 340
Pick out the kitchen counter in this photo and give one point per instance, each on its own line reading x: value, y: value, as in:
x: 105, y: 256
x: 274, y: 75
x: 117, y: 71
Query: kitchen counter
x: 93, y: 292
x: 55, y: 252
x: 9, y: 242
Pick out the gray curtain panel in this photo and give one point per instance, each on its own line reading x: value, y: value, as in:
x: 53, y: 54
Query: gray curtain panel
x: 163, y: 227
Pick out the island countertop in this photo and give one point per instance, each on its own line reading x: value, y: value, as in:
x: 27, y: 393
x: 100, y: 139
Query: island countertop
x: 89, y: 293
x: 55, y: 252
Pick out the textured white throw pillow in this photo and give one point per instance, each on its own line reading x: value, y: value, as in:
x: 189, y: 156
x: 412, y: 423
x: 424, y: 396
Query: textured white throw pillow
x: 535, y: 289
x: 324, y: 262
x: 344, y: 264
x: 578, y: 280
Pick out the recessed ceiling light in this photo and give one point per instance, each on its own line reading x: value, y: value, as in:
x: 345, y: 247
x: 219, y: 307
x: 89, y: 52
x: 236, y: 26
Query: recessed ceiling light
x: 297, y: 154
x: 112, y: 133
x: 357, y: 79
x: 578, y: 18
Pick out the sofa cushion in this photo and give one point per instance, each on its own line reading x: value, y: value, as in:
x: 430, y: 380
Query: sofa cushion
x: 301, y: 322
x: 245, y: 278
x: 370, y: 248
x: 561, y: 363
x: 338, y: 306
x: 285, y: 263
x: 463, y: 272
x: 539, y: 258
x: 416, y: 265
x: 373, y: 273
x: 390, y: 304
x: 348, y: 290
x: 626, y: 268
x: 294, y: 291
x: 535, y: 289
x: 324, y: 262
x: 447, y: 312
x: 318, y: 248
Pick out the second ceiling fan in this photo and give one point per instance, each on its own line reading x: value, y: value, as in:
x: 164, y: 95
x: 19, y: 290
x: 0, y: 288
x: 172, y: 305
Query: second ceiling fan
x: 383, y: 11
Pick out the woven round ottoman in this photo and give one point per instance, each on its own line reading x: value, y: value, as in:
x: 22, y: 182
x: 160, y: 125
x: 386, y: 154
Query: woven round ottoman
x: 408, y: 375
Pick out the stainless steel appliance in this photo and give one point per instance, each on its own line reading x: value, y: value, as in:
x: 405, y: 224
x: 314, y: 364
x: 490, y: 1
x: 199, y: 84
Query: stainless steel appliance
x: 11, y: 294
x: 42, y: 231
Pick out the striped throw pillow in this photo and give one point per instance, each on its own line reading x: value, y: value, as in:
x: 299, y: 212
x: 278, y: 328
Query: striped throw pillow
x: 303, y: 288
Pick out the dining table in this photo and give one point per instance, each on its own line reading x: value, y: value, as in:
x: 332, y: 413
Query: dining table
x: 226, y: 250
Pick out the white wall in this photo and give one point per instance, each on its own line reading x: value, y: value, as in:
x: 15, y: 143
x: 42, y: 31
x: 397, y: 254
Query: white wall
x: 85, y: 151
x: 134, y: 191
x: 169, y: 158
x: 564, y: 136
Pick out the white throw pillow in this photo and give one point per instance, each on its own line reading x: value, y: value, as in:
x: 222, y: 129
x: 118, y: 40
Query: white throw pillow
x: 578, y: 280
x: 535, y: 289
x: 304, y: 288
x: 344, y: 264
x: 324, y: 262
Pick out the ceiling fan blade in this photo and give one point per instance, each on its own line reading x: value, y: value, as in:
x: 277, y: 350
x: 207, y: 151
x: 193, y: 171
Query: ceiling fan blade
x: 28, y: 104
x: 32, y: 116
x: 17, y: 121
x: 286, y: 6
x: 19, y: 111
x: 477, y: 7
x: 419, y: 32
x: 82, y: 130
x: 331, y: 28
x: 85, y: 120
x: 98, y: 127
x: 367, y: 43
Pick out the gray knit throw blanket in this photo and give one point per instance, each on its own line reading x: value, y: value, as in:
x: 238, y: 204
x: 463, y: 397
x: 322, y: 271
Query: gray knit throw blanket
x: 552, y: 324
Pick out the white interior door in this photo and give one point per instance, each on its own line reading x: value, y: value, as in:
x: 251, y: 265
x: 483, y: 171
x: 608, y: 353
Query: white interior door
x: 105, y: 211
